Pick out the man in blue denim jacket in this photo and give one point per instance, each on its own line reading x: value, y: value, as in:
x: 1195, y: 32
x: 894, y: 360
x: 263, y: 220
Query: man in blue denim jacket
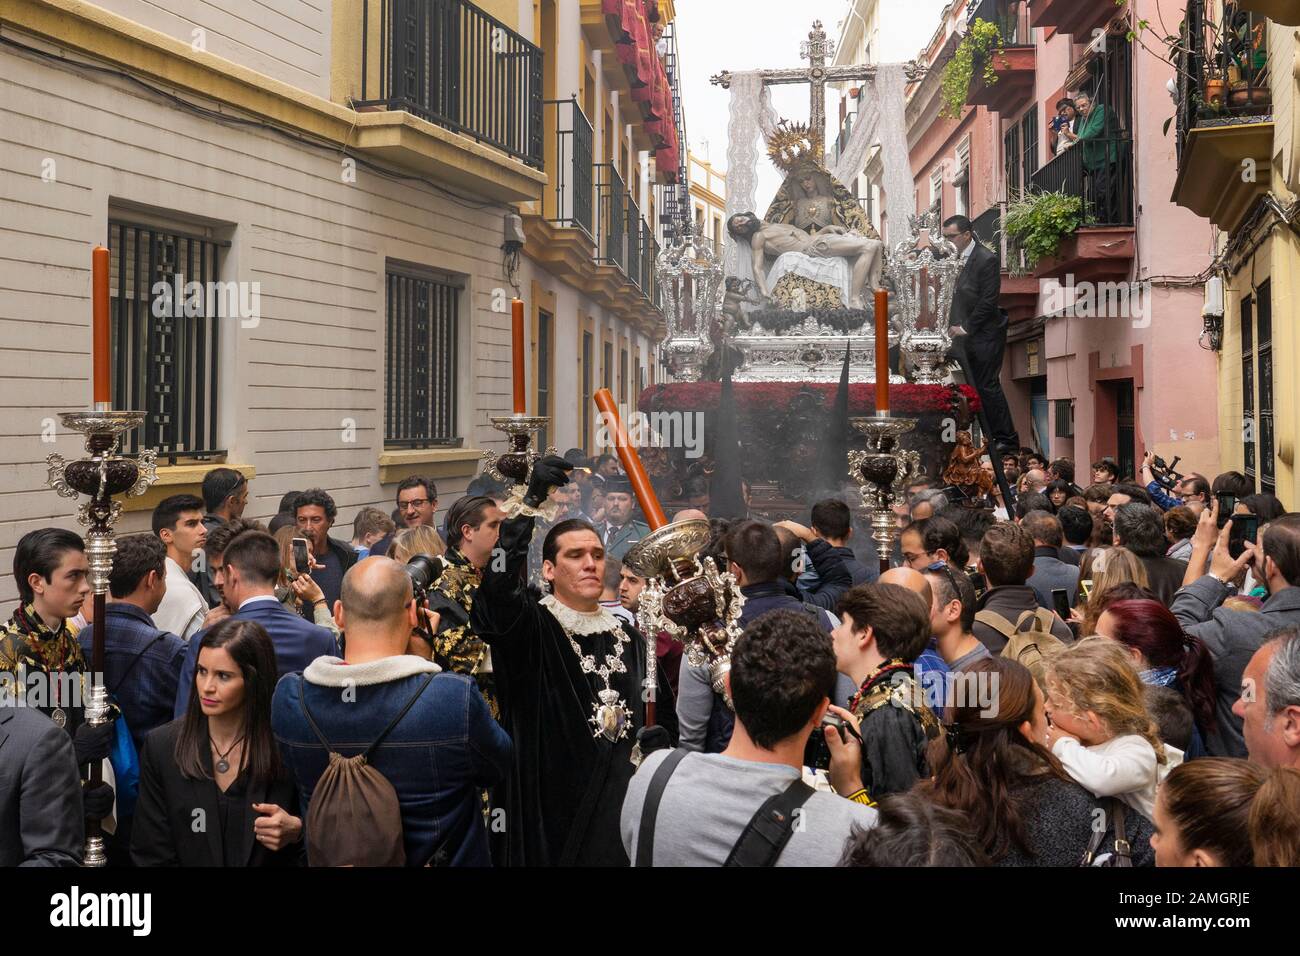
x: 442, y: 753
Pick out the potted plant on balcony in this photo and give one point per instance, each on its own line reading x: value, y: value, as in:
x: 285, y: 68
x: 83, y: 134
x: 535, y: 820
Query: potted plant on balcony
x: 1215, y: 85
x: 982, y: 42
x: 1040, y: 221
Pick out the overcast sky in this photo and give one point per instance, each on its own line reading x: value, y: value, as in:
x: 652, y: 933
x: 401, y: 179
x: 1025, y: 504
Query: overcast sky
x: 717, y: 35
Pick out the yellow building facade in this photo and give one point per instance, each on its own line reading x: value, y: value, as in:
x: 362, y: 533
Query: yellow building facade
x: 1239, y: 167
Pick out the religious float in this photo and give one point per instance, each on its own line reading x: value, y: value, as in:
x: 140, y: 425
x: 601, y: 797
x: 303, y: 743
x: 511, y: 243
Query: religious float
x: 807, y: 296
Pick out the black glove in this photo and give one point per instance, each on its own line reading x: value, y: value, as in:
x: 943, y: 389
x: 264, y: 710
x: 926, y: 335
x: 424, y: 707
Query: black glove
x: 549, y: 472
x: 92, y: 743
x: 652, y: 739
x: 97, y: 800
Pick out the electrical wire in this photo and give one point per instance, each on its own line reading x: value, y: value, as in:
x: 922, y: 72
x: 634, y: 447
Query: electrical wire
x: 230, y: 119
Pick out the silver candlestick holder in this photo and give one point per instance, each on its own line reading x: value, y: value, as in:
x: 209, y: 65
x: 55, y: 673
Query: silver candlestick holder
x: 884, y: 469
x: 517, y: 464
x: 100, y: 476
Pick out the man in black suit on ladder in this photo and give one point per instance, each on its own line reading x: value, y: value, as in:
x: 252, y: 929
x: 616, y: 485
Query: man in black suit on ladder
x: 979, y: 325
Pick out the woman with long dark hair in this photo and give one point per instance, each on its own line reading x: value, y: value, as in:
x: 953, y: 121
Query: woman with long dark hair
x: 1165, y: 656
x: 995, y: 766
x: 212, y: 788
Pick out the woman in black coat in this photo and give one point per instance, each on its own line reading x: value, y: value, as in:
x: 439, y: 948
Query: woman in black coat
x: 996, y: 768
x: 212, y: 789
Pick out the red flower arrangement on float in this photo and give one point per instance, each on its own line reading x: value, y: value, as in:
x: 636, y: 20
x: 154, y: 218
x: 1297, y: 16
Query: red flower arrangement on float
x: 908, y: 399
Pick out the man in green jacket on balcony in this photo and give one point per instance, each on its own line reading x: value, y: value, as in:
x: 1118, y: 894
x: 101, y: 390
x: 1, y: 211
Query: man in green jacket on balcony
x: 1098, y: 138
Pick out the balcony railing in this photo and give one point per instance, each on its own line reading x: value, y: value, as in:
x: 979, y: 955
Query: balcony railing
x: 988, y: 228
x: 450, y: 63
x: 1010, y: 16
x: 635, y: 234
x: 650, y: 250
x: 570, y: 202
x: 611, y: 217
x: 1099, y: 171
x: 1223, y: 69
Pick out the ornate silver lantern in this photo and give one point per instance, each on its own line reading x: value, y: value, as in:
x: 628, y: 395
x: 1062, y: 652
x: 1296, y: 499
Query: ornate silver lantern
x: 925, y: 278
x: 101, y: 475
x: 690, y: 275
x: 883, y: 469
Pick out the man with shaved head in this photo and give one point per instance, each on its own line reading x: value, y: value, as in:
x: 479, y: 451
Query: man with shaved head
x: 442, y: 748
x: 929, y: 663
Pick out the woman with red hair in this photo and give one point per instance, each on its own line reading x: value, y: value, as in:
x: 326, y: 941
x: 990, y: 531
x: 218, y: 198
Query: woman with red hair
x: 1165, y: 656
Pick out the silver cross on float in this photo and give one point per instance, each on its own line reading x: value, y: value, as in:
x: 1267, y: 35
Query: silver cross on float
x: 817, y: 49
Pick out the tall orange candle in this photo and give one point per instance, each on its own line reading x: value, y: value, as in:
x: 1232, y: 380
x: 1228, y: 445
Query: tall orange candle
x: 882, y: 352
x: 641, y: 487
x: 517, y: 354
x: 100, y: 385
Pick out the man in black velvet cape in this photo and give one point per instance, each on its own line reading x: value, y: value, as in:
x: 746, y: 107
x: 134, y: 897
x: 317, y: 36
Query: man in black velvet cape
x: 566, y: 789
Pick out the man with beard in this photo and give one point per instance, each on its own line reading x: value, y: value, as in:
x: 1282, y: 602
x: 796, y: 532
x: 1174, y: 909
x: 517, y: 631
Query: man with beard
x: 315, y: 513
x: 570, y: 679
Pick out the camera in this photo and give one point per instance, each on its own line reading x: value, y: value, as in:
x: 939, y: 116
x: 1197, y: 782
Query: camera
x: 1166, y: 473
x: 818, y: 753
x: 424, y: 573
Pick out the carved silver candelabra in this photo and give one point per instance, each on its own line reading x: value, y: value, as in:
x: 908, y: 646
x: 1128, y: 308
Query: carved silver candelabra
x: 517, y: 464
x: 884, y: 469
x: 687, y: 596
x: 690, y: 278
x: 925, y: 276
x: 100, y: 476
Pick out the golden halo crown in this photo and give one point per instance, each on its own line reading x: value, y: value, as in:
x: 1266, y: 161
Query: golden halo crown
x: 788, y: 144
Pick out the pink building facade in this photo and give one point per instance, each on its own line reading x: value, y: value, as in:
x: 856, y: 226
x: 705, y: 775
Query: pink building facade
x: 1103, y: 355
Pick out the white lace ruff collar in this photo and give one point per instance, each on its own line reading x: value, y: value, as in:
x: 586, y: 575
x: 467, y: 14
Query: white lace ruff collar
x: 586, y: 623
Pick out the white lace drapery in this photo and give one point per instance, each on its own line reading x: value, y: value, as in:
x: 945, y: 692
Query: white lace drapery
x: 882, y: 119
x: 752, y: 115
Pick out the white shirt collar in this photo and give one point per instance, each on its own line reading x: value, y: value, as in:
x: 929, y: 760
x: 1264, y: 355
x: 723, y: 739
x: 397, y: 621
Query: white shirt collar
x: 259, y: 597
x: 968, y: 251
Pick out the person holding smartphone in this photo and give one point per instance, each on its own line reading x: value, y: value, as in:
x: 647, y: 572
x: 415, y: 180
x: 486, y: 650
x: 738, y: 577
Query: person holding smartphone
x: 1232, y: 636
x: 1066, y: 119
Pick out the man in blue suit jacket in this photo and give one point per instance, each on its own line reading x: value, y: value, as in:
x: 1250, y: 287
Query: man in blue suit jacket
x: 245, y: 563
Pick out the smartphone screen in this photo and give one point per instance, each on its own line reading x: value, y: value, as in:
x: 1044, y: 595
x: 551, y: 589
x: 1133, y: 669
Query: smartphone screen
x: 1244, y: 528
x: 1226, y: 503
x: 1061, y: 602
x: 301, y: 563
x: 1086, y: 586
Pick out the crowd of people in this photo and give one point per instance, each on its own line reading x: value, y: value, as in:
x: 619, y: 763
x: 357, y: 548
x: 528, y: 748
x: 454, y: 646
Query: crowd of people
x: 1087, y: 675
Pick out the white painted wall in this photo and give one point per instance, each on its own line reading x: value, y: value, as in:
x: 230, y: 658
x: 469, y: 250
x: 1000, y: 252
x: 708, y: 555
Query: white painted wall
x: 288, y: 40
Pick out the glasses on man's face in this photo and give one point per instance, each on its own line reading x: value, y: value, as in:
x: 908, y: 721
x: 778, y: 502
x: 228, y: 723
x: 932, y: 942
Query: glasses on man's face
x: 415, y: 504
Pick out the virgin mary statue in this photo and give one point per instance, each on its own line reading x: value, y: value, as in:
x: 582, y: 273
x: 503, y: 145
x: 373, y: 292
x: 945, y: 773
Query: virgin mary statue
x: 814, y: 202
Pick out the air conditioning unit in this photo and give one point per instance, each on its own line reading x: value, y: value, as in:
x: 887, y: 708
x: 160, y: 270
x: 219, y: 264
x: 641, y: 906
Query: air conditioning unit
x: 1064, y: 418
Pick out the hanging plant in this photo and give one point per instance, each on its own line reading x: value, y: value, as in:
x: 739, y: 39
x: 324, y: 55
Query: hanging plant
x: 982, y: 42
x: 1039, y: 222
